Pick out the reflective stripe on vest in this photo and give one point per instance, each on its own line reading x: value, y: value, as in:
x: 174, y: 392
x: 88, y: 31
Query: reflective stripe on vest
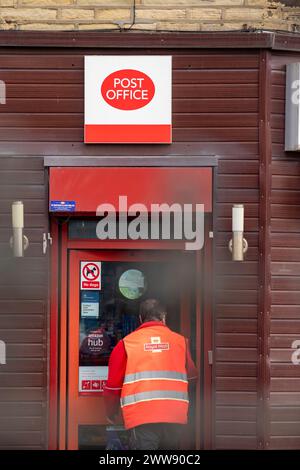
x: 155, y: 375
x: 154, y: 395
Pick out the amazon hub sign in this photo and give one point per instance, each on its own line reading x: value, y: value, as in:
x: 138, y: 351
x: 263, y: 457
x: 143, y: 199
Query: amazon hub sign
x: 128, y: 99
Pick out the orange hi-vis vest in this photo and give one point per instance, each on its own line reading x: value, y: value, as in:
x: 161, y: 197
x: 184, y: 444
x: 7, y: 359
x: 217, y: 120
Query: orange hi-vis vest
x: 155, y: 387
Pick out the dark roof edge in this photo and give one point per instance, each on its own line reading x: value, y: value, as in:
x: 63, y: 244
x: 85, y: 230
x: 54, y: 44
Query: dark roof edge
x: 257, y: 39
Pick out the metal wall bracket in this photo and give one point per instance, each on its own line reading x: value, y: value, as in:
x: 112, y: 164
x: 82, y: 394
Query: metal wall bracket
x: 47, y: 239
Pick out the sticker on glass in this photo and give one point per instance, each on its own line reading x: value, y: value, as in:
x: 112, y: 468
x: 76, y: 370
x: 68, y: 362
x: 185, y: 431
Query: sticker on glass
x: 132, y: 284
x: 90, y: 275
x: 90, y: 304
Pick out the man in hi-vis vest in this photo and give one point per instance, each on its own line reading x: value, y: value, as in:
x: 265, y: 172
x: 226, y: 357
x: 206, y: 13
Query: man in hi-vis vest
x: 148, y: 374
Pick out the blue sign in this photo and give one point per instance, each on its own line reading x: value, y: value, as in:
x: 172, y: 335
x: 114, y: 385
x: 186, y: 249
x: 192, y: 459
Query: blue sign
x: 89, y: 296
x: 62, y: 206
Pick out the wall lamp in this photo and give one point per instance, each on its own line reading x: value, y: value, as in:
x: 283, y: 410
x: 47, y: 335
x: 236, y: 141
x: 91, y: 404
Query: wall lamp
x: 18, y: 242
x: 238, y: 245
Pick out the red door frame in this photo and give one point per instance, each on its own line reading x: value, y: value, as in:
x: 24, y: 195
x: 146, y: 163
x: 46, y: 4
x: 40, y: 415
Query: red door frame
x: 58, y: 324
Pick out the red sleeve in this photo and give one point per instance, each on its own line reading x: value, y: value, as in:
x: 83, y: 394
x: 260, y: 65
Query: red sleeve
x: 116, y: 373
x: 191, y: 369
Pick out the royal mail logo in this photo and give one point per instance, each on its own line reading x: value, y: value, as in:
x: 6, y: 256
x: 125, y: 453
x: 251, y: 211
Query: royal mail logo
x: 156, y: 345
x: 128, y: 89
x: 128, y: 99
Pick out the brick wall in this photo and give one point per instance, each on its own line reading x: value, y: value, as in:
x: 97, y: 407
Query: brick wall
x: 169, y: 15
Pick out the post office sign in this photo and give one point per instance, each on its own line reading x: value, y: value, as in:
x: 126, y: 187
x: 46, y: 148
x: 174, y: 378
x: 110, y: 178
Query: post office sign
x: 128, y: 99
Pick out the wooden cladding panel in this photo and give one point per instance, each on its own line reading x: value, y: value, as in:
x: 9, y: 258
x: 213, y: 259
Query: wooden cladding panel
x: 215, y: 111
x: 285, y: 271
x: 215, y: 101
x: 23, y: 313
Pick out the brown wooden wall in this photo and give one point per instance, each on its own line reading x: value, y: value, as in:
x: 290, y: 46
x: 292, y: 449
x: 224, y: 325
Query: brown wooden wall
x: 285, y: 269
x: 23, y: 302
x: 215, y: 111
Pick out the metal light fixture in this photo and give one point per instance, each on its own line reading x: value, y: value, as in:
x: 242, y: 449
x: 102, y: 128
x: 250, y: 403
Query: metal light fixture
x: 18, y: 242
x: 238, y: 245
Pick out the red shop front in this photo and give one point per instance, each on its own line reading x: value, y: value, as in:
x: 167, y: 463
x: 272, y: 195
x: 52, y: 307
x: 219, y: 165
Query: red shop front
x: 97, y: 286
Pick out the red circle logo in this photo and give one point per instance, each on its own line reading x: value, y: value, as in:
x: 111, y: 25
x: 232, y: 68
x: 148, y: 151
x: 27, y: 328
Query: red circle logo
x: 127, y: 89
x: 91, y: 271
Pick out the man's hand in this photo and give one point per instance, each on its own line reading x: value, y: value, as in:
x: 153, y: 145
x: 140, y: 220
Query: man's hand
x: 111, y: 419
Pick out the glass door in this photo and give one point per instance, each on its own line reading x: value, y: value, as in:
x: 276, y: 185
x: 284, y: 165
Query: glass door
x: 105, y: 291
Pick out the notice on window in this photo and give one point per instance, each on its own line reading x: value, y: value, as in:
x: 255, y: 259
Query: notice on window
x: 90, y: 304
x: 90, y: 275
x: 92, y: 379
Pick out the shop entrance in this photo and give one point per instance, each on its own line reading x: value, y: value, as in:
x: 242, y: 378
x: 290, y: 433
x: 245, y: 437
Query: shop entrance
x: 97, y: 286
x: 105, y: 292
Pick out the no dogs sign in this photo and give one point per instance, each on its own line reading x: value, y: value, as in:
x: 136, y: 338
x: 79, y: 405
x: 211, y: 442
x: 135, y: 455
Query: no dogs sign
x: 90, y: 277
x: 128, y: 99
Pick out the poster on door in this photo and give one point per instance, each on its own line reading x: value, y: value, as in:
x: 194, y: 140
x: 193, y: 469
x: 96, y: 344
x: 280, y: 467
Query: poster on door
x: 90, y: 275
x: 90, y: 304
x: 92, y: 379
x: 95, y: 344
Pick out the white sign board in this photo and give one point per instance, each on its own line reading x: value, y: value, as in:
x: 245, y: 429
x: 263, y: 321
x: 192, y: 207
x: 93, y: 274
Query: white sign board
x: 90, y: 275
x: 292, y: 108
x: 89, y: 309
x: 92, y: 379
x: 128, y: 99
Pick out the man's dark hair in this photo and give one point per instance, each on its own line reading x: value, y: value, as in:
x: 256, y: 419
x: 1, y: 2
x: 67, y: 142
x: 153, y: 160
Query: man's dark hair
x: 152, y: 310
